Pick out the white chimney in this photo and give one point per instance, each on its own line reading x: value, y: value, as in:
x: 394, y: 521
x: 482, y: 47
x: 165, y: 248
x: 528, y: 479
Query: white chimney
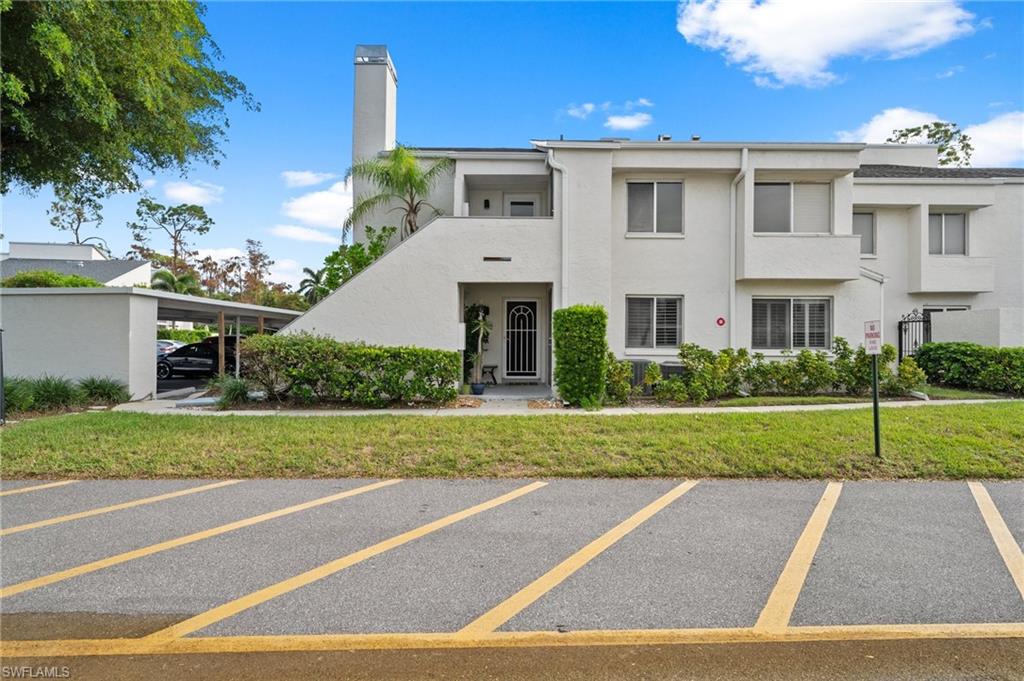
x: 376, y: 90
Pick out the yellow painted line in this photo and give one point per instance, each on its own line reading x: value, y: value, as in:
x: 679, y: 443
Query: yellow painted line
x: 20, y: 490
x: 510, y: 607
x: 779, y: 608
x: 236, y: 606
x: 116, y: 507
x: 181, y: 541
x: 1007, y: 545
x: 501, y: 639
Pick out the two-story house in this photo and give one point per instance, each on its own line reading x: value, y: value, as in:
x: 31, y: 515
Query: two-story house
x: 769, y: 246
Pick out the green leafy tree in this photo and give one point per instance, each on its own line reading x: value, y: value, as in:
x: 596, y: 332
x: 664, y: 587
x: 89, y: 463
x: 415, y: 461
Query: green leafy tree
x: 177, y: 222
x: 102, y: 89
x: 165, y: 280
x: 312, y: 286
x: 400, y: 179
x: 75, y: 206
x: 351, y: 259
x: 955, y: 147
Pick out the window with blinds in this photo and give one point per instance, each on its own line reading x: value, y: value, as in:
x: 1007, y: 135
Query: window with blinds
x: 793, y: 207
x: 947, y: 234
x: 654, y: 322
x: 812, y: 208
x: 782, y: 323
x: 654, y: 207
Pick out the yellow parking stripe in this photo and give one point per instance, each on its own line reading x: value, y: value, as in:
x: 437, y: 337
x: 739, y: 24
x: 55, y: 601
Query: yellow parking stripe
x: 500, y: 639
x: 116, y: 507
x: 1001, y: 535
x: 238, y: 605
x: 181, y: 541
x: 510, y: 607
x: 779, y: 608
x: 21, y: 490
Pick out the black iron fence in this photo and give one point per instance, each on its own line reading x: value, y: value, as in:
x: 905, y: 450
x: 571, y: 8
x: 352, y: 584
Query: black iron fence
x: 914, y: 330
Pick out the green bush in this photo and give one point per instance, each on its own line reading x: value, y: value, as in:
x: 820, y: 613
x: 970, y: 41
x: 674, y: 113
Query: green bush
x: 581, y: 351
x: 53, y: 392
x: 908, y: 377
x: 99, y: 390
x: 972, y: 366
x: 652, y: 375
x: 853, y: 367
x: 672, y: 389
x: 183, y: 335
x: 48, y: 279
x: 319, y: 369
x: 233, y: 391
x: 618, y: 383
x: 18, y: 394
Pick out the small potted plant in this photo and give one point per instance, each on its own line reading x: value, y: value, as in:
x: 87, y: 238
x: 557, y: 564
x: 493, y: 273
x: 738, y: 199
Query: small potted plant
x: 479, y: 327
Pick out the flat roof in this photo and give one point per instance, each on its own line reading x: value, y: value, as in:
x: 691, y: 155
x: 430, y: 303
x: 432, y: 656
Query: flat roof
x: 176, y: 307
x: 100, y: 270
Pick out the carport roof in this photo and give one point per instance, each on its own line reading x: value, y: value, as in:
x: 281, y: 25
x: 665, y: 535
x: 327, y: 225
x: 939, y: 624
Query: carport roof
x: 175, y: 307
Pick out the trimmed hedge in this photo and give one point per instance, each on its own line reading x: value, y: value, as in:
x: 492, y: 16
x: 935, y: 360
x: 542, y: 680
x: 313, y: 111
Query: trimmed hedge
x: 183, y: 335
x: 581, y: 354
x: 48, y: 279
x: 320, y: 369
x: 973, y: 366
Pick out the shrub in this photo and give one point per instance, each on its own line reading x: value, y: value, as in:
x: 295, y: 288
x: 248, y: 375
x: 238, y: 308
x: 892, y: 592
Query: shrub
x: 853, y: 367
x: 908, y: 377
x: 618, y: 383
x: 18, y: 394
x: 320, y: 369
x: 48, y: 279
x: 99, y: 390
x: 652, y: 375
x: 233, y: 391
x: 672, y: 389
x: 811, y: 373
x: 581, y: 351
x: 183, y: 335
x: 972, y: 366
x: 53, y: 392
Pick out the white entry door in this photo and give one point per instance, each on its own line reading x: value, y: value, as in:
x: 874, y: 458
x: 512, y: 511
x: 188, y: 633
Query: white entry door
x: 521, y: 339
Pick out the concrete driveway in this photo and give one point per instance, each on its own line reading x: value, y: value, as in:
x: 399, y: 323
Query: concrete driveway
x: 204, y: 569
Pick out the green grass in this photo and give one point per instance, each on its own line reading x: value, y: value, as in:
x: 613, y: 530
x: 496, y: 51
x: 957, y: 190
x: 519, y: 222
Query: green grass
x: 953, y: 441
x: 937, y: 392
x: 773, y: 400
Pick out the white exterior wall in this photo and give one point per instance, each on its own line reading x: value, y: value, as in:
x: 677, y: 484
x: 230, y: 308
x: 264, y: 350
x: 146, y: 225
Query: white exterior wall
x: 54, y: 251
x: 140, y: 276
x: 1000, y: 327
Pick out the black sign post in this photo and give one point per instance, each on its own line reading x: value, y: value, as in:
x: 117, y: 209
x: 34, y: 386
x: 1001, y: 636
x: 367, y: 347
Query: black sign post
x: 873, y: 346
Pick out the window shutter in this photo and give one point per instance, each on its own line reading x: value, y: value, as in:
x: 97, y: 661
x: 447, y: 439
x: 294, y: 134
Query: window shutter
x: 668, y: 322
x: 640, y: 206
x: 812, y: 208
x: 778, y: 324
x: 760, y: 324
x: 639, y: 317
x: 818, y: 324
x: 799, y: 324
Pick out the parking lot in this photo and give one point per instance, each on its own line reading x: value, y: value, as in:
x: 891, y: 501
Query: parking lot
x: 198, y: 567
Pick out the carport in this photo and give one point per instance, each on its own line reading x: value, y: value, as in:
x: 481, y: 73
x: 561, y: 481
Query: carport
x: 110, y: 331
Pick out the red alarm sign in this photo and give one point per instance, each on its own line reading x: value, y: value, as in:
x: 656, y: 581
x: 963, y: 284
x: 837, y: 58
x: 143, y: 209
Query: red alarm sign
x: 720, y: 321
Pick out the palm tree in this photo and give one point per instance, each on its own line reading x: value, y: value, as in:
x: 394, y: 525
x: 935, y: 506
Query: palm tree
x: 312, y: 288
x: 399, y: 179
x: 165, y: 280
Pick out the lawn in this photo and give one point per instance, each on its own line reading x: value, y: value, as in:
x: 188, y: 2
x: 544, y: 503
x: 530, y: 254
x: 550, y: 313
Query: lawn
x: 952, y: 441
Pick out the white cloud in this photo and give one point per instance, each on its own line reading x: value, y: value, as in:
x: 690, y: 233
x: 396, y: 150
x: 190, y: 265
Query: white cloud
x: 880, y: 127
x: 287, y: 271
x: 201, y: 193
x: 641, y: 101
x: 628, y: 122
x: 219, y: 253
x: 580, y: 111
x: 305, y: 178
x: 326, y: 208
x: 298, y: 233
x: 950, y: 72
x: 149, y: 183
x: 999, y: 142
x: 793, y: 42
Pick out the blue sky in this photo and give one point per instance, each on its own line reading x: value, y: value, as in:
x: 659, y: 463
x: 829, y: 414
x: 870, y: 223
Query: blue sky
x: 479, y: 74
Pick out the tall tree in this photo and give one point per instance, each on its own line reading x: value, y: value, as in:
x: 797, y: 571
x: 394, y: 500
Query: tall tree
x: 165, y: 280
x: 401, y: 180
x: 257, y: 269
x: 211, y: 275
x: 177, y: 222
x: 105, y: 88
x: 75, y: 206
x: 312, y: 286
x: 955, y: 147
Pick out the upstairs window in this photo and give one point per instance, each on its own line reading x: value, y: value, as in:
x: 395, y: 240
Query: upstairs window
x: 783, y: 323
x: 864, y: 227
x: 947, y: 234
x: 654, y: 207
x: 792, y: 207
x: 654, y: 322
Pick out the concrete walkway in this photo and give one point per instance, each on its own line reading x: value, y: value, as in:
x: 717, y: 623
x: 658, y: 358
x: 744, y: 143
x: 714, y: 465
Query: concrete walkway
x: 521, y: 408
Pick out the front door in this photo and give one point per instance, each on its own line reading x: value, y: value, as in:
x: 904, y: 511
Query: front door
x: 521, y: 339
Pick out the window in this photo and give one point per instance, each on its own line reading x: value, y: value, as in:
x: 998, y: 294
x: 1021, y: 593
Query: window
x: 520, y: 209
x: 864, y: 227
x: 792, y: 207
x: 947, y: 234
x: 928, y: 309
x: 782, y: 323
x: 654, y: 322
x: 654, y: 207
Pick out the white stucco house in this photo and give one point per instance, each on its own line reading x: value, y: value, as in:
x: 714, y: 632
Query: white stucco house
x: 769, y: 246
x: 84, y: 260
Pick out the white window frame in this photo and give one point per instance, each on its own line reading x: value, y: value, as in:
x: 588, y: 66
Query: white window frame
x: 942, y: 231
x: 792, y: 210
x: 682, y: 208
x: 874, y: 232
x: 654, y: 349
x: 789, y: 341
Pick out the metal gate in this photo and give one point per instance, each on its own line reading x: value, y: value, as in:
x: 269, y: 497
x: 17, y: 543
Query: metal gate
x: 914, y: 330
x: 521, y: 339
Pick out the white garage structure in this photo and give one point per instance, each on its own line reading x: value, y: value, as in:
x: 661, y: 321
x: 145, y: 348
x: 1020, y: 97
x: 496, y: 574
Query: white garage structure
x: 109, y: 331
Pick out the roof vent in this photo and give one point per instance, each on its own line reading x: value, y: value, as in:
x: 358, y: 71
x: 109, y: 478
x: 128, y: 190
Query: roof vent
x: 695, y: 138
x: 664, y: 138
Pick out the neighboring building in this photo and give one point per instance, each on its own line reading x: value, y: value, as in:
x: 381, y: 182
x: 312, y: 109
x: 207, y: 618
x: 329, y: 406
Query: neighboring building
x: 769, y: 246
x: 82, y: 259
